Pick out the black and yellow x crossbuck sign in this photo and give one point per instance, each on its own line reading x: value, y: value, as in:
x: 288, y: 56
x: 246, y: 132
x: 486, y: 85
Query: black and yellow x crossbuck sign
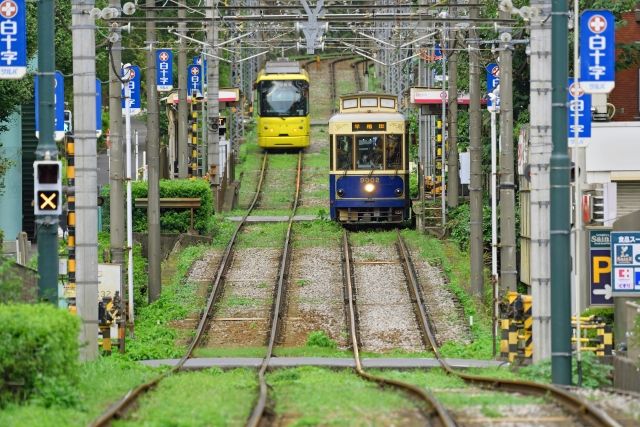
x: 48, y: 200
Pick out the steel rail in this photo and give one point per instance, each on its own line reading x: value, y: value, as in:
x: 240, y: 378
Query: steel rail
x: 259, y: 410
x: 586, y: 411
x: 437, y: 412
x: 120, y: 407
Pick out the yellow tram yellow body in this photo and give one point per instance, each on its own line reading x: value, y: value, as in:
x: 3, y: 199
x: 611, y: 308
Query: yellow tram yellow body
x: 283, y: 106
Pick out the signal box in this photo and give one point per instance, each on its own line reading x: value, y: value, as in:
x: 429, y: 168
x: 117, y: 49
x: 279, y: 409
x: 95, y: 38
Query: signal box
x: 47, y: 187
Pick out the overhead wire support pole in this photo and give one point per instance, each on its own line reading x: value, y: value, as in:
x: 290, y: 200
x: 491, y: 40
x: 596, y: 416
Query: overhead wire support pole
x: 475, y: 149
x: 47, y: 226
x: 453, y: 181
x: 560, y: 198
x: 508, y: 267
x: 213, y: 108
x: 86, y: 182
x: 443, y: 187
x: 153, y: 150
x: 116, y: 152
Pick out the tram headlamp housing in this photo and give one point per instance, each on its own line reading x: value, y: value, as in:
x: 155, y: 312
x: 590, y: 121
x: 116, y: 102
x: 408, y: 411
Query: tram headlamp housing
x: 340, y: 192
x: 398, y: 191
x: 369, y: 187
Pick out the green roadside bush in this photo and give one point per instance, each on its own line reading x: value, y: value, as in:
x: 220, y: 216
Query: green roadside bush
x: 171, y: 220
x: 38, y: 354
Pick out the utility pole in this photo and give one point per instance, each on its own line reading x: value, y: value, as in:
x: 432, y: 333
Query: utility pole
x: 452, y: 139
x: 475, y: 154
x: 213, y: 149
x: 153, y: 149
x: 86, y: 182
x: 508, y: 268
x: 183, y: 107
x: 47, y: 226
x: 560, y: 197
x: 116, y: 152
x: 539, y: 158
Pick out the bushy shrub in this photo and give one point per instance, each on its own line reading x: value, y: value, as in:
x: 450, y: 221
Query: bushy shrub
x: 38, y: 354
x: 458, y: 225
x: 171, y: 220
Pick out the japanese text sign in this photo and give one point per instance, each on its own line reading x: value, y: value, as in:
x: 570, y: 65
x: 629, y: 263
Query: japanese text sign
x: 58, y: 99
x: 579, y: 106
x: 493, y: 81
x: 625, y: 254
x: 600, y: 267
x: 13, y: 39
x: 164, y: 70
x: 597, y: 51
x: 194, y: 74
x: 133, y: 75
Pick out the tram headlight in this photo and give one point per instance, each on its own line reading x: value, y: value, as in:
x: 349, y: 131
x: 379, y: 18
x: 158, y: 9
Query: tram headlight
x: 340, y: 192
x: 369, y: 187
x: 398, y: 191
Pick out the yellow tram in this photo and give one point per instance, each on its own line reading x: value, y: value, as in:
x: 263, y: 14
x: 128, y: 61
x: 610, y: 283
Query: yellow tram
x: 283, y: 105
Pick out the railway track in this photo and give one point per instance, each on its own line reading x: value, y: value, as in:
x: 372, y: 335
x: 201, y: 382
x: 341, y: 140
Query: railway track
x: 585, y: 411
x: 261, y: 410
x: 120, y: 408
x: 436, y: 414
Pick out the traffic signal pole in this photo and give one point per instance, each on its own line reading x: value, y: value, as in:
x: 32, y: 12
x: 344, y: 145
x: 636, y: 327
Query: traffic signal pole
x: 47, y: 225
x: 560, y: 197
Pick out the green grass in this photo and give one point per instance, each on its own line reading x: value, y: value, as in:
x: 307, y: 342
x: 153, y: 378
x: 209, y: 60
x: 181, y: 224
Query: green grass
x: 230, y: 352
x: 101, y: 383
x: 238, y: 301
x: 211, y: 397
x: 316, y: 234
x: 263, y: 235
x: 221, y: 231
x: 336, y: 398
x: 381, y: 238
x: 456, y: 267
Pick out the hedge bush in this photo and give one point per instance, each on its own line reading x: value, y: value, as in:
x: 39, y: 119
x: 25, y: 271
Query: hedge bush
x: 171, y: 220
x: 38, y: 354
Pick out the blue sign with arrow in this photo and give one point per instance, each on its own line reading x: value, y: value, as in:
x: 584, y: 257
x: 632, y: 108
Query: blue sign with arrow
x: 581, y: 108
x: 597, y: 51
x: 493, y: 81
x: 132, y: 76
x: 194, y: 71
x: 58, y: 82
x: 13, y: 39
x: 164, y: 70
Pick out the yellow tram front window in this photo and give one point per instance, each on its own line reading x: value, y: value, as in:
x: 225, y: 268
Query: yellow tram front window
x: 344, y: 152
x: 393, y: 150
x: 369, y: 152
x: 280, y: 98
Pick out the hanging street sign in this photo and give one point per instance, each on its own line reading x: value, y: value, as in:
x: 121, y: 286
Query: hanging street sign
x: 132, y: 74
x: 194, y: 71
x: 582, y: 108
x: 597, y: 51
x: 625, y: 253
x: 13, y: 39
x: 600, y: 268
x: 98, y: 108
x: 493, y: 81
x: 164, y: 67
x: 58, y: 99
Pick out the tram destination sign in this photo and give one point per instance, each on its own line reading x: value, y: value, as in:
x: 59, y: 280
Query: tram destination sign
x: 368, y: 126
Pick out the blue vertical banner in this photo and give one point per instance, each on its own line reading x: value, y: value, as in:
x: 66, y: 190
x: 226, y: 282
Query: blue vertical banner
x: 59, y: 106
x: 13, y: 39
x: 98, y: 108
x: 202, y: 61
x: 597, y: 51
x: 164, y: 70
x: 132, y: 76
x: 437, y: 52
x: 493, y: 80
x: 194, y: 72
x: 582, y: 108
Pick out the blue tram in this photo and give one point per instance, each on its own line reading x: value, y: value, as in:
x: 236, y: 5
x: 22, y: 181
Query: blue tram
x: 369, y: 161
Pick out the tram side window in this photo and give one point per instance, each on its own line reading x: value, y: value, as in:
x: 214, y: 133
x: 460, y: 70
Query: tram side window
x: 344, y: 152
x: 369, y: 155
x: 394, y: 151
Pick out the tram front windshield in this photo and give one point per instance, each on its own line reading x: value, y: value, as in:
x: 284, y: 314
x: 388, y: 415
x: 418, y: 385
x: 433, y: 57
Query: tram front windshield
x: 371, y: 152
x: 283, y: 98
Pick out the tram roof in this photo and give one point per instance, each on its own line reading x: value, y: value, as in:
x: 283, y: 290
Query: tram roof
x: 366, y: 117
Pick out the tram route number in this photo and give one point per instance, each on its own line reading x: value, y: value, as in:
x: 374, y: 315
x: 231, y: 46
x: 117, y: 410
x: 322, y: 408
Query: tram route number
x: 360, y: 126
x: 365, y: 180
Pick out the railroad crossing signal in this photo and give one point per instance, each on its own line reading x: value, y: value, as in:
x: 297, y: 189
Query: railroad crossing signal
x: 47, y: 187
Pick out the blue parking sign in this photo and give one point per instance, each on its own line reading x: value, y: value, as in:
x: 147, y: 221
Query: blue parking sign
x: 597, y: 51
x: 164, y: 70
x: 13, y: 39
x: 133, y: 75
x: 58, y: 95
x: 582, y: 108
x: 194, y: 72
x: 98, y: 108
